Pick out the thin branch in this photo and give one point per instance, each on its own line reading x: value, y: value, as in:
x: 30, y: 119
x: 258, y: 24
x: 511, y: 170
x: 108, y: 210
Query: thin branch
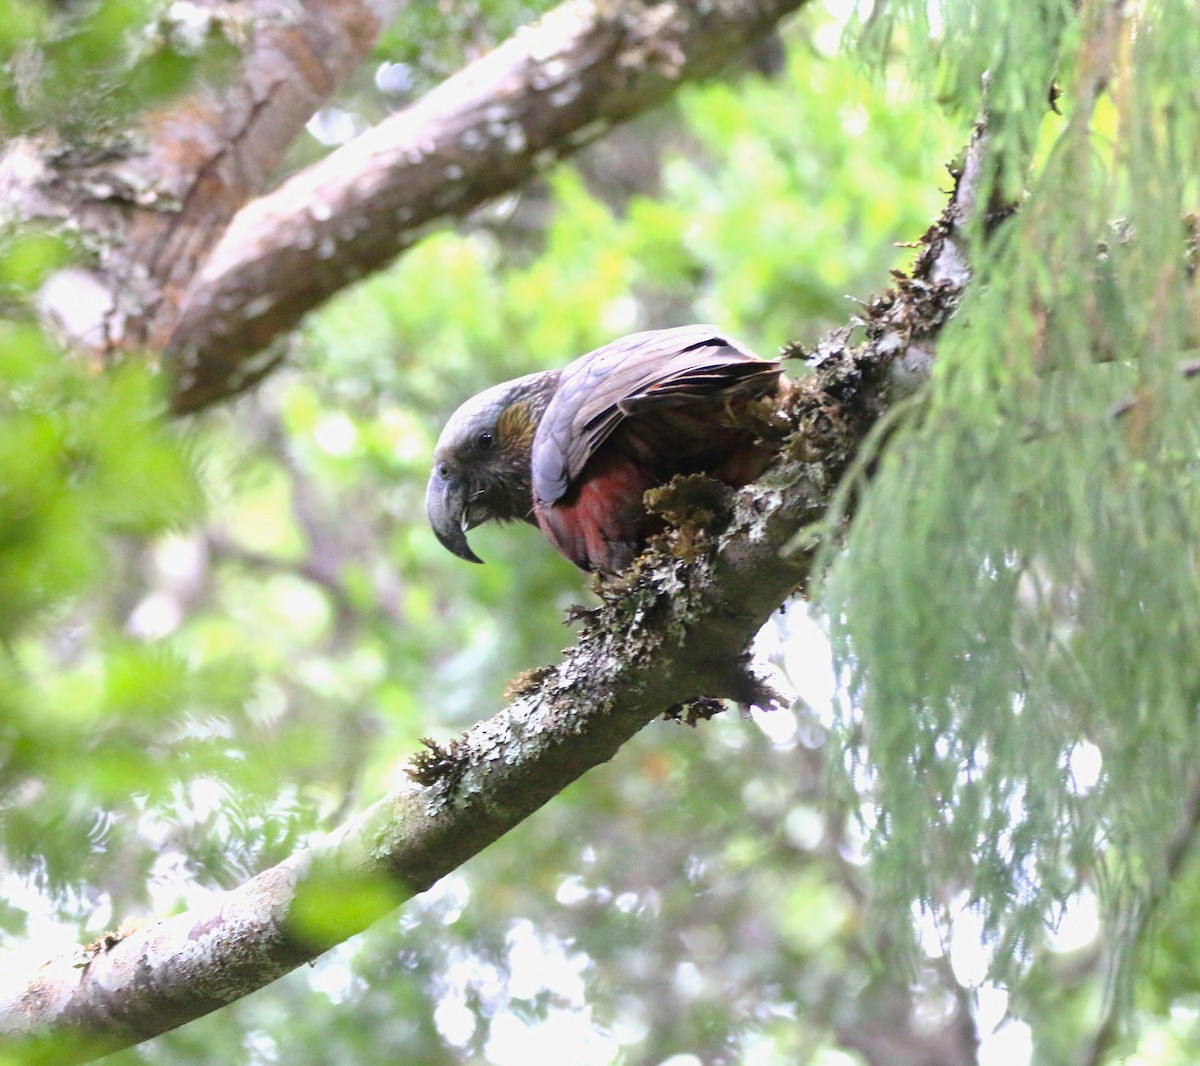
x: 153, y: 205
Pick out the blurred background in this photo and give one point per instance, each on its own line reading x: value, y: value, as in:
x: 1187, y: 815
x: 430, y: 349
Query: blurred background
x: 225, y: 635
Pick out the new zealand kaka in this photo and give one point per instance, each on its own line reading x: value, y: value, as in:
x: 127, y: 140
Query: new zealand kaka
x: 573, y: 451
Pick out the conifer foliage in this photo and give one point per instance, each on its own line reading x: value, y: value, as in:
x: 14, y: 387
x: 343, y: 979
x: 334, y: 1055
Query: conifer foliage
x: 1015, y: 605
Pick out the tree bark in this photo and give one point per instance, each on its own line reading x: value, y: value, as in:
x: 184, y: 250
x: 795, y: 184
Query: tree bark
x: 151, y: 206
x: 667, y: 634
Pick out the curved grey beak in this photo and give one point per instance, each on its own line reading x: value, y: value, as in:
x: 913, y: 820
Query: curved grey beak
x: 446, y: 504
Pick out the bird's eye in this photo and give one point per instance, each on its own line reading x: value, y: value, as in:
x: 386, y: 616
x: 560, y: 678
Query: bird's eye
x: 484, y: 440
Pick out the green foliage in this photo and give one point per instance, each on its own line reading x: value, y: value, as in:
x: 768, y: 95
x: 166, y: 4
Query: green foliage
x: 436, y: 39
x: 1020, y: 580
x: 77, y: 450
x: 95, y: 723
x: 81, y: 67
x: 1000, y: 56
x: 794, y: 223
x: 183, y: 696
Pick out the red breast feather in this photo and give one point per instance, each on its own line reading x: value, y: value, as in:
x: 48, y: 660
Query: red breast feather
x: 630, y: 416
x: 601, y: 523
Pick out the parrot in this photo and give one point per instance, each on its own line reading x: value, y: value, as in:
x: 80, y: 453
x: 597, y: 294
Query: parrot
x: 573, y: 451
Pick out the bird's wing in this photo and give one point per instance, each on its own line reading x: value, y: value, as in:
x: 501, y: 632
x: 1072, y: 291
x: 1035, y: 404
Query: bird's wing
x: 633, y: 375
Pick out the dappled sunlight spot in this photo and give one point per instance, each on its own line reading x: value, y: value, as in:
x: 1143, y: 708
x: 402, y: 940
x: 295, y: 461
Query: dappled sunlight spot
x: 155, y: 617
x: 630, y: 1025
x: 466, y: 972
x: 333, y: 975
x: 295, y: 602
x: 958, y: 933
x: 1009, y: 1045
x: 779, y: 725
x: 855, y: 120
x: 626, y: 902
x: 650, y: 903
x: 688, y: 980
x: 181, y: 559
x: 827, y: 36
x: 267, y: 703
x: 930, y: 932
x: 203, y: 798
x: 762, y: 1049
x: 798, y: 644
x: 79, y: 303
x: 761, y: 796
x: 447, y: 899
x: 537, y: 965
x: 991, y: 1008
x: 454, y: 1020
x: 620, y: 314
x: 955, y: 931
x: 540, y: 963
x: 804, y: 827
x: 45, y: 933
x: 333, y: 126
x: 855, y: 835
x: 563, y: 1036
x: 1077, y: 925
x: 394, y: 78
x: 834, y: 1057
x: 970, y: 956
x: 262, y: 1046
x: 572, y: 891
x: 336, y: 435
x: 695, y: 868
x: 23, y: 958
x: 1084, y: 764
x: 729, y: 732
x: 173, y: 883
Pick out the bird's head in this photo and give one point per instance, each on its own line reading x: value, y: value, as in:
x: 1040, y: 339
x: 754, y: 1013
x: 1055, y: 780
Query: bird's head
x: 481, y: 461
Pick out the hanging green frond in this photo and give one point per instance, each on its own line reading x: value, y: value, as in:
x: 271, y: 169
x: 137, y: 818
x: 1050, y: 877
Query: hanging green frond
x: 1020, y: 583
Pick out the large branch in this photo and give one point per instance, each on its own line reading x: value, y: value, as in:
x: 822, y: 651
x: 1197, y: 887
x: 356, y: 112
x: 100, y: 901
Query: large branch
x: 548, y: 91
x: 672, y: 633
x: 153, y: 205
